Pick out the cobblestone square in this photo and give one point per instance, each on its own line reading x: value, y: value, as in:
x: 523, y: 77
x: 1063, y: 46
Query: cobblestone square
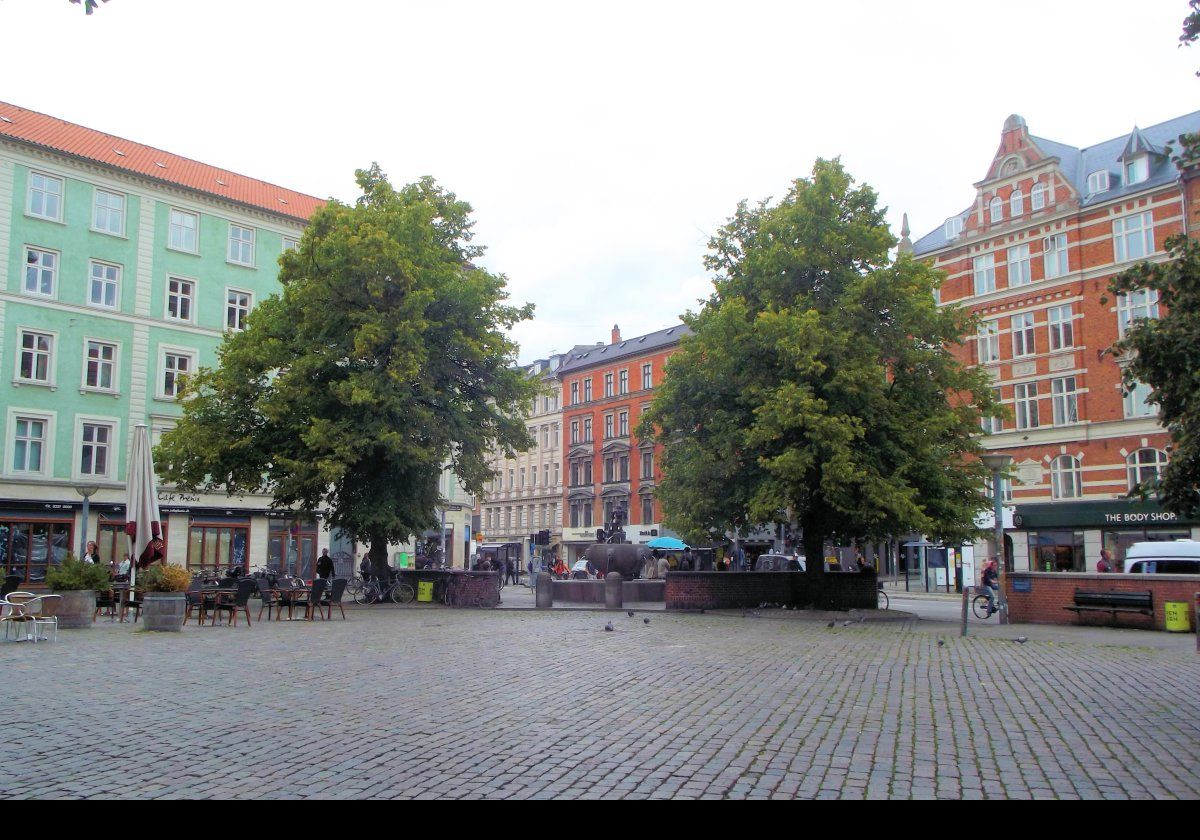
x: 438, y: 703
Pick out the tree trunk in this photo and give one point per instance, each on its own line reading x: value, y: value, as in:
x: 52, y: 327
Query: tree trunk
x: 379, y: 557
x: 814, y: 561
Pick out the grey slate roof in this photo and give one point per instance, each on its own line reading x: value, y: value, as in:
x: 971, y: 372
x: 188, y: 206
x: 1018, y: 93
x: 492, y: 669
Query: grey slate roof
x: 1077, y: 164
x: 586, y: 356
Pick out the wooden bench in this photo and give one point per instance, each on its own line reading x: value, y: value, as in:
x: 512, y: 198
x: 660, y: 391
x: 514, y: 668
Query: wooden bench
x: 1112, y: 603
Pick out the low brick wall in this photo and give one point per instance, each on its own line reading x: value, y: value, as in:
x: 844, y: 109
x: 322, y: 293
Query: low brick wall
x: 743, y: 590
x: 1050, y: 592
x: 592, y: 591
x: 472, y: 588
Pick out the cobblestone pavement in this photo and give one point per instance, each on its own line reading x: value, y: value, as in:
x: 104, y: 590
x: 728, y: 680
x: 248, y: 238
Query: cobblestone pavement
x: 456, y: 703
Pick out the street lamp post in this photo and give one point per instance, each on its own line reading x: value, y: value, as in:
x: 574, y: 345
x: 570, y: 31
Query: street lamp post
x: 998, y: 462
x: 87, y: 491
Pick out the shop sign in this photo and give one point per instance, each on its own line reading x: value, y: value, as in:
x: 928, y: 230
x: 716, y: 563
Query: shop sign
x: 1023, y: 585
x: 1134, y: 514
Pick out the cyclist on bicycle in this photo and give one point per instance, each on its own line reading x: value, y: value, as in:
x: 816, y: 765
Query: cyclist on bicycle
x: 990, y: 584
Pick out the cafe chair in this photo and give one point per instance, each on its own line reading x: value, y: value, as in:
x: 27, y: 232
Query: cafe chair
x: 195, y: 600
x: 106, y: 599
x: 270, y: 599
x: 334, y: 598
x: 46, y: 615
x: 314, y: 599
x: 241, y: 600
x: 12, y: 614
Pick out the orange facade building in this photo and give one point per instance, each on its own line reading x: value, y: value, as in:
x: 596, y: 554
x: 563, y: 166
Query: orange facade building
x: 1033, y: 256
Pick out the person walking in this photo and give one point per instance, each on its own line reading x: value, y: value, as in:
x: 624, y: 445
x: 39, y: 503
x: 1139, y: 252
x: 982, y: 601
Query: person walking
x: 325, y: 565
x: 1104, y: 564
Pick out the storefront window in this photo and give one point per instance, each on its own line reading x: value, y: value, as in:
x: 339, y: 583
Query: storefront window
x: 218, y: 546
x: 1056, y: 551
x: 28, y: 548
x: 1118, y: 542
x: 292, y: 546
x: 113, y: 542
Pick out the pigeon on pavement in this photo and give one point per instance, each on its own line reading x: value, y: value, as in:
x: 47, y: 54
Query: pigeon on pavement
x: 630, y: 613
x: 830, y: 624
x: 1021, y: 640
x: 645, y: 621
x: 608, y: 627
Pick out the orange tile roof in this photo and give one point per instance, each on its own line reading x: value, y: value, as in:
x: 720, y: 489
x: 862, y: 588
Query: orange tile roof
x: 68, y: 138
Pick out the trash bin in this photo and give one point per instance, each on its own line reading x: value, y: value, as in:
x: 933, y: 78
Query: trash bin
x: 425, y: 591
x: 1176, y: 613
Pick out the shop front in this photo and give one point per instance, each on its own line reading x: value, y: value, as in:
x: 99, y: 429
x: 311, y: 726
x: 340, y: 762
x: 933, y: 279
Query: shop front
x: 34, y: 537
x: 575, y: 542
x: 1068, y: 536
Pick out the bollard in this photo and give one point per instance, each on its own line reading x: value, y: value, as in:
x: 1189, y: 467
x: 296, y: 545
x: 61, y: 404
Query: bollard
x: 966, y: 601
x: 544, y: 591
x: 613, y: 595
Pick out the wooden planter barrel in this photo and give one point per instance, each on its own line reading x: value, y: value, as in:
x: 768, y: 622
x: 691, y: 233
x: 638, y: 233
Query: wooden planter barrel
x: 163, y: 611
x: 76, y: 609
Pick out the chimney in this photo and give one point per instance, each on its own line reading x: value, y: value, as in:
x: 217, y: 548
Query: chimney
x: 616, y: 336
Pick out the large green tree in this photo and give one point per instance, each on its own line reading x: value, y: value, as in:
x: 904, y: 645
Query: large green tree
x: 819, y: 381
x: 384, y: 359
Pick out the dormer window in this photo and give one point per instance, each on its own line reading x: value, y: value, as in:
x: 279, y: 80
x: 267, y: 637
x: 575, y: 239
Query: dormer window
x: 1137, y: 169
x: 1037, y: 198
x: 1098, y: 182
x: 997, y: 210
x: 1016, y: 203
x: 954, y: 226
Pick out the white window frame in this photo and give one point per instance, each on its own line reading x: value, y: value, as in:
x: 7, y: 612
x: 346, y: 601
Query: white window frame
x: 50, y: 380
x: 1061, y: 323
x: 647, y: 376
x: 194, y: 231
x: 623, y: 382
x: 115, y: 362
x: 290, y: 243
x: 41, y: 270
x: 1020, y: 267
x: 1037, y: 197
x: 1025, y: 405
x: 609, y: 387
x: 587, y: 390
x: 1135, y: 466
x: 230, y: 305
x: 1062, y: 469
x: 992, y: 425
x: 1133, y: 401
x: 987, y: 338
x: 1024, y: 334
x: 241, y: 244
x: 1055, y: 259
x: 1098, y: 182
x: 1139, y: 305
x: 50, y: 418
x: 165, y: 350
x: 104, y: 282
x: 1064, y: 399
x: 996, y: 210
x: 114, y: 427
x: 983, y: 273
x: 191, y: 299
x: 1125, y: 234
x: 954, y: 227
x: 1137, y: 169
x: 1016, y: 203
x: 60, y: 196
x: 109, y: 212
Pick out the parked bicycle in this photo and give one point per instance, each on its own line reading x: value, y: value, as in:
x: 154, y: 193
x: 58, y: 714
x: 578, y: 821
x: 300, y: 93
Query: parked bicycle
x: 373, y: 591
x: 884, y: 603
x: 449, y: 590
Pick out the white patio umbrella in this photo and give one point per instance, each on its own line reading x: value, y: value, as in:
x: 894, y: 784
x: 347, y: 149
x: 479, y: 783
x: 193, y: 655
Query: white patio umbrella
x: 143, y: 523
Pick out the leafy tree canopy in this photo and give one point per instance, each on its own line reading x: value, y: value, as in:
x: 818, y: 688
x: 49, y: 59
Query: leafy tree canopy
x: 384, y: 359
x: 819, y: 381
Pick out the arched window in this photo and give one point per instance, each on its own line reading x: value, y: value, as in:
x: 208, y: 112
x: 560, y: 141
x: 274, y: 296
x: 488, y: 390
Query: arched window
x: 1016, y: 203
x: 997, y: 210
x: 1145, y: 466
x: 1065, y: 478
x: 1037, y: 198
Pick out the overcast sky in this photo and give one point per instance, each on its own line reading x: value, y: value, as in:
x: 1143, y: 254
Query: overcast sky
x: 601, y: 145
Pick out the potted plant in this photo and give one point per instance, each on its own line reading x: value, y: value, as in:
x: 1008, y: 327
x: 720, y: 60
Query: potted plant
x: 77, y: 583
x: 164, y: 602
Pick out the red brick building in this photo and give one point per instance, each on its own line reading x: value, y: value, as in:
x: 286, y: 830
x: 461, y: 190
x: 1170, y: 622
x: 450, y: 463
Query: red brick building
x: 1033, y: 255
x: 605, y: 390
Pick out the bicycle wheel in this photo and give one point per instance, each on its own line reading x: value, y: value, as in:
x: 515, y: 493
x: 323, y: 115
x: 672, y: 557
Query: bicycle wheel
x: 367, y: 595
x: 354, y: 585
x: 979, y: 605
x: 883, y: 600
x: 402, y: 593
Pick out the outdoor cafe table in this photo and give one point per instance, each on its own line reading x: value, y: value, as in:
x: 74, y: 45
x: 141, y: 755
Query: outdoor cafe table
x: 288, y: 597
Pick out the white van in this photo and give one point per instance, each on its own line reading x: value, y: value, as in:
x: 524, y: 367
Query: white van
x: 1181, y: 557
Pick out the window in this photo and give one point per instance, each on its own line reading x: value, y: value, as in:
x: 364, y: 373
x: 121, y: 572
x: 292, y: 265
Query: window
x: 1133, y: 237
x: 98, y: 375
x: 623, y: 424
x: 95, y: 450
x: 1097, y: 182
x: 647, y: 510
x: 992, y: 425
x: 545, y: 437
x: 574, y: 394
x: 1037, y: 198
x: 647, y: 377
x: 985, y: 274
x: 176, y: 367
x: 104, y: 284
x: 608, y: 426
x: 1054, y: 255
x: 241, y: 244
x: 574, y: 432
x: 217, y: 546
x: 996, y: 210
x: 29, y: 548
x: 1141, y: 305
x: 510, y: 478
x: 1005, y: 488
x: 953, y: 228
x: 108, y: 213
x: 1065, y: 401
x: 181, y: 235
x: 45, y: 197
x: 237, y: 309
x: 647, y: 466
x: 546, y: 475
x: 1018, y: 266
x: 1025, y: 396
x: 41, y: 272
x: 1066, y: 478
x: 1016, y: 203
x: 290, y: 243
x: 35, y: 363
x: 587, y: 390
x: 1137, y: 169
x: 1062, y: 327
x: 1145, y: 467
x: 1023, y: 335
x: 608, y: 384
x: 623, y: 382
x: 522, y: 484
x: 1136, y: 401
x: 180, y: 297
x: 587, y: 430
x: 29, y: 444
